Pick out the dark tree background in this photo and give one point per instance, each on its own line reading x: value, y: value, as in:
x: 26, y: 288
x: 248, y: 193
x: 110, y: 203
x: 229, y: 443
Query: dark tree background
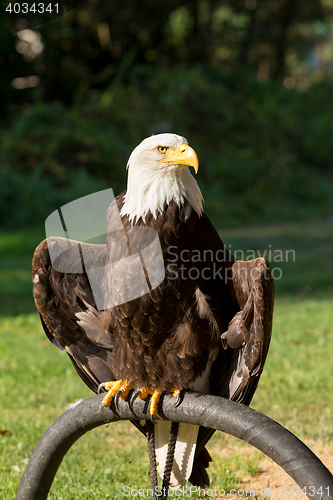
x: 249, y: 82
x: 101, y: 41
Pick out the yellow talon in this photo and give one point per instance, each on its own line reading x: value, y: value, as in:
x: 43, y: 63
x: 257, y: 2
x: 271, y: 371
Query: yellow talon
x: 120, y: 389
x: 112, y: 388
x: 145, y: 391
x: 157, y: 396
x: 115, y: 384
x: 125, y: 388
x: 175, y: 392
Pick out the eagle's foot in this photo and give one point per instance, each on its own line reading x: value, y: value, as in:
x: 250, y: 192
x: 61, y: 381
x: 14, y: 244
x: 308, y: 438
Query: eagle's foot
x: 176, y: 394
x: 116, y: 389
x: 157, y: 396
x: 142, y: 393
x: 120, y: 389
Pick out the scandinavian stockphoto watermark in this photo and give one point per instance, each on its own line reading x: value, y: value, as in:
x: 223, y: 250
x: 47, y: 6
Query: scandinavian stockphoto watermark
x: 185, y: 492
x: 279, y: 491
x: 211, y: 264
x: 123, y: 263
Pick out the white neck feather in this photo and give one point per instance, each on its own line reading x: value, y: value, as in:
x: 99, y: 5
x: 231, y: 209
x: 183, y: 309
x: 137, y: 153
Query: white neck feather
x: 149, y: 189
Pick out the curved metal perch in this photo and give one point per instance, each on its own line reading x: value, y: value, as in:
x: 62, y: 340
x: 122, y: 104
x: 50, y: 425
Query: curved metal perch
x: 210, y: 411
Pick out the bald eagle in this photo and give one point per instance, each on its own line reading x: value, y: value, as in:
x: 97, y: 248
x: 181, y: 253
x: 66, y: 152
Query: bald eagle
x: 206, y: 326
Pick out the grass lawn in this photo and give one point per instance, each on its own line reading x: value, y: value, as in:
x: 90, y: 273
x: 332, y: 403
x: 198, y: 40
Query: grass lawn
x: 38, y: 381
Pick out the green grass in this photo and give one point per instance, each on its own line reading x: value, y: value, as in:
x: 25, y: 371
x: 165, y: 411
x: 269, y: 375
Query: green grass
x: 16, y: 251
x: 38, y: 381
x: 303, y: 253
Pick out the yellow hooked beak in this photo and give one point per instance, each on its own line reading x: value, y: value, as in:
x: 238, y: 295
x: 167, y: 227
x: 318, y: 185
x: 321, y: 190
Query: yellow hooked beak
x: 182, y: 155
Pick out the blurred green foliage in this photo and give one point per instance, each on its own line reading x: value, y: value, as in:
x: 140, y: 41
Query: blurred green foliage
x: 101, y: 41
x: 265, y: 151
x: 108, y: 74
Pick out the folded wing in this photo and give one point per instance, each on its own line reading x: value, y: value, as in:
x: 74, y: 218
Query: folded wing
x: 236, y: 371
x: 68, y: 310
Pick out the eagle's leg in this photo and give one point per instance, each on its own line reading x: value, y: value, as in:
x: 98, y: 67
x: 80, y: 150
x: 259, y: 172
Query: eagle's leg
x: 122, y: 393
x: 120, y: 389
x: 157, y: 396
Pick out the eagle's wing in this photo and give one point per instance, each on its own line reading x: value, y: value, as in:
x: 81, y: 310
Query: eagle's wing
x: 67, y: 307
x: 236, y: 371
x: 249, y: 331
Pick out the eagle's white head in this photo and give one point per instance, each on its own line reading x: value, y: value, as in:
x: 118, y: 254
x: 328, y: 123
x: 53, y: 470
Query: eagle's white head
x: 158, y: 173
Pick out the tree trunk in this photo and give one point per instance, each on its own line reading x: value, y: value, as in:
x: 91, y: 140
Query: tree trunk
x: 249, y: 38
x: 289, y: 13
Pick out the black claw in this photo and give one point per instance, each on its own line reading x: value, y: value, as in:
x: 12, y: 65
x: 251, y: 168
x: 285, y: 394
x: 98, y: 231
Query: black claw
x: 133, y: 397
x: 152, y: 418
x: 101, y: 409
x: 178, y: 399
x: 116, y: 398
x: 101, y: 386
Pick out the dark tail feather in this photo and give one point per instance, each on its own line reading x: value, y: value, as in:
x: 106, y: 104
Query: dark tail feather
x: 199, y: 476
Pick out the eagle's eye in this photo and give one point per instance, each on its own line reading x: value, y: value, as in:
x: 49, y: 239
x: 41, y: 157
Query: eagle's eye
x: 162, y: 149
